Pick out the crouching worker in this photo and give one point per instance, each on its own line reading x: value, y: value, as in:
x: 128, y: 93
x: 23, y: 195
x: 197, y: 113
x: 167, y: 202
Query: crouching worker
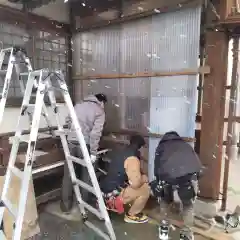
x: 91, y: 117
x: 124, y: 176
x: 176, y: 169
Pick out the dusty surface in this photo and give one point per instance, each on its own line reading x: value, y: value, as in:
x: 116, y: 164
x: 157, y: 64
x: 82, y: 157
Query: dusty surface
x: 56, y: 228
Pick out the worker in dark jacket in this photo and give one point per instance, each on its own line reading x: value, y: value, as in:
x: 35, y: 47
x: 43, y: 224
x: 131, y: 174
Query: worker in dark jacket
x: 91, y: 116
x: 176, y: 169
x: 124, y: 176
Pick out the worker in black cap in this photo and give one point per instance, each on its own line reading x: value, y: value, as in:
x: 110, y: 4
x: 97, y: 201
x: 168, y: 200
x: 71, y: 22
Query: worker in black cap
x: 91, y: 116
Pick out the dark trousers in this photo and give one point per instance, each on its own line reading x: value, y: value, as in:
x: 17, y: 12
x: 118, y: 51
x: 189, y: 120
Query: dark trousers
x: 67, y: 194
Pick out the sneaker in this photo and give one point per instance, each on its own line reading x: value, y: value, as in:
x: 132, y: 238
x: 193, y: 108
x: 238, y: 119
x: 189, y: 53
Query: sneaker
x: 138, y: 218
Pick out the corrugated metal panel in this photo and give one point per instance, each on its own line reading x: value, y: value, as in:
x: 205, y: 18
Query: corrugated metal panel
x: 135, y: 48
x: 161, y: 43
x: 106, y: 50
x: 174, y: 99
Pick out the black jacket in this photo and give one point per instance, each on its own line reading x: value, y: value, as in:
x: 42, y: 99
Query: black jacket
x: 116, y: 175
x: 174, y: 158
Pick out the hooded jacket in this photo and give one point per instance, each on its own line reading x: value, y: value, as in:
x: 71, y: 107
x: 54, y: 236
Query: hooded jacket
x: 91, y: 117
x: 174, y: 158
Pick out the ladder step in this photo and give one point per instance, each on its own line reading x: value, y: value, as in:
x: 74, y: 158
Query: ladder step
x: 33, y: 73
x: 76, y: 160
x: 85, y: 186
x: 92, y: 210
x: 3, y: 72
x: 61, y: 132
x: 10, y: 207
x: 6, y: 50
x: 20, y: 139
x: 2, y: 235
x: 46, y: 168
x: 17, y: 172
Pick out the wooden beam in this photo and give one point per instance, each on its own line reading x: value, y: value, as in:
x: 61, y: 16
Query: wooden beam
x: 144, y: 134
x: 172, y: 5
x: 213, y: 113
x: 186, y: 72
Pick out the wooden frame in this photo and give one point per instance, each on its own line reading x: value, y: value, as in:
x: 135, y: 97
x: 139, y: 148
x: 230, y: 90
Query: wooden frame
x: 92, y: 22
x: 200, y: 70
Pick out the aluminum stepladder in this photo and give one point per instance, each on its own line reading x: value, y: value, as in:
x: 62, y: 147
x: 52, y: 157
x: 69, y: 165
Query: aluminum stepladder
x: 16, y: 57
x: 45, y: 87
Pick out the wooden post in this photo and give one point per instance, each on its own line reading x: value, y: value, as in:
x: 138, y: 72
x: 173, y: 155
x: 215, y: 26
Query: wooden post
x: 232, y: 139
x: 213, y: 113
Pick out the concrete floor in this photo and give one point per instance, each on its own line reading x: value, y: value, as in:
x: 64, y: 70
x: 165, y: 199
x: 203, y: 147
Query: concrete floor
x: 54, y: 227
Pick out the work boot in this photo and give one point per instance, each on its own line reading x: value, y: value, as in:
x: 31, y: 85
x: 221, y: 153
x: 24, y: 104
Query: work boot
x: 138, y: 218
x: 186, y: 234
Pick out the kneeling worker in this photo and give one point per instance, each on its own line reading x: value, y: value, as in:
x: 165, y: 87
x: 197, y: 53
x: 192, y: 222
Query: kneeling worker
x: 177, y: 169
x: 124, y: 175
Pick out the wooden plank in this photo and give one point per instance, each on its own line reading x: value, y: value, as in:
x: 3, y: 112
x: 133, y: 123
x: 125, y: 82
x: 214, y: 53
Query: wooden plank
x: 183, y: 72
x: 144, y: 134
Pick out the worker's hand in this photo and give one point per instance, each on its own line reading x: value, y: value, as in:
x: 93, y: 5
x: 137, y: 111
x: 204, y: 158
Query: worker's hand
x: 93, y: 158
x: 144, y: 179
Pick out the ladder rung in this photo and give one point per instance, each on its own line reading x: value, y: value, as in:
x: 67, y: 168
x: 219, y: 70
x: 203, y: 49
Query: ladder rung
x: 46, y: 168
x: 85, y: 186
x: 2, y: 235
x: 17, y: 172
x: 10, y: 208
x: 76, y: 160
x: 6, y: 50
x: 61, y: 132
x: 3, y: 72
x: 20, y: 139
x: 33, y: 73
x: 92, y: 210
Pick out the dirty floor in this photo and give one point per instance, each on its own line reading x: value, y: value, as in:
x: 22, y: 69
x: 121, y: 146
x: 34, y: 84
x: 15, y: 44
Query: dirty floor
x: 56, y: 228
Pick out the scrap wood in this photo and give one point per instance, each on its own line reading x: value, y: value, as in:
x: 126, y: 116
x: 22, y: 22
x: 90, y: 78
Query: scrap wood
x: 211, y: 235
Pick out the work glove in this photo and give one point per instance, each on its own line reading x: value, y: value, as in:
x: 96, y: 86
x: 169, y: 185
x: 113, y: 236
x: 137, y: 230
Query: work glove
x: 93, y: 158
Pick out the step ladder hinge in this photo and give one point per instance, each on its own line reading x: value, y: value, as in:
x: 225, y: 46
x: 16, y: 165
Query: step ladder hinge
x: 56, y: 109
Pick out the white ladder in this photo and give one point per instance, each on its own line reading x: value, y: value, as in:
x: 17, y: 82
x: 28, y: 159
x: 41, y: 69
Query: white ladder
x: 45, y: 87
x: 15, y: 56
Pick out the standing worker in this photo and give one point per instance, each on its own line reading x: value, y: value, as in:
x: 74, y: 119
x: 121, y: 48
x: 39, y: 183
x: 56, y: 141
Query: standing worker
x: 91, y: 117
x: 124, y: 176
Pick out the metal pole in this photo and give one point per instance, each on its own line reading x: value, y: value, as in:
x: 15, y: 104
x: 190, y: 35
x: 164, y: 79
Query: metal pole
x: 231, y: 148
